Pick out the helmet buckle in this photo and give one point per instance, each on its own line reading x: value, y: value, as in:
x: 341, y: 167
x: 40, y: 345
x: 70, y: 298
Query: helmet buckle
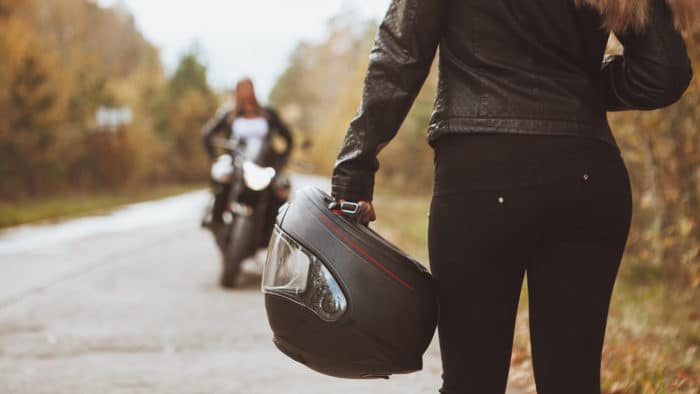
x: 348, y: 208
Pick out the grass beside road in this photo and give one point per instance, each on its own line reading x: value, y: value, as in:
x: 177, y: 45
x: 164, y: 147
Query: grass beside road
x: 653, y: 333
x: 13, y: 213
x: 404, y: 220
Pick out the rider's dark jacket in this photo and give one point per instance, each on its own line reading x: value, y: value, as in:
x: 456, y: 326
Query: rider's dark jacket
x: 506, y: 66
x: 223, y: 120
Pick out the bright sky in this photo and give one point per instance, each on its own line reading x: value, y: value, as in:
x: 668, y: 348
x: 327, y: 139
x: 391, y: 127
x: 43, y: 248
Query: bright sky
x: 239, y: 37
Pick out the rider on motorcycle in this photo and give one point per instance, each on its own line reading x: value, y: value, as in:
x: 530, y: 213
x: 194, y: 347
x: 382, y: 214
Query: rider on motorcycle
x: 255, y: 127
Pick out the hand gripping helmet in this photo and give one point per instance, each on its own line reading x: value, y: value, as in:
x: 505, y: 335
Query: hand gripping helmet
x: 340, y: 298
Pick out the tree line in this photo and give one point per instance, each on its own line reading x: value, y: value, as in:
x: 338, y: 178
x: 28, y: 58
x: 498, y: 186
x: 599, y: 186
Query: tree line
x: 64, y: 59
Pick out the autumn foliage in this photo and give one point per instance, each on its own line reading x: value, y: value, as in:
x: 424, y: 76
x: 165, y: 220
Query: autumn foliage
x: 61, y: 60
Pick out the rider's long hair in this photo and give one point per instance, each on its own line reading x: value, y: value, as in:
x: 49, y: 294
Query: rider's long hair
x: 624, y: 15
x: 239, y: 104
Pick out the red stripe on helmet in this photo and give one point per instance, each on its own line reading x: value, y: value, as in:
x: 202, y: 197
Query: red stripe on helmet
x: 361, y: 251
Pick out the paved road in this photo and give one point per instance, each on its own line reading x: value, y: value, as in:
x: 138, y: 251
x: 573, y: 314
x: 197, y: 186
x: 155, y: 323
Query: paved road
x: 128, y: 303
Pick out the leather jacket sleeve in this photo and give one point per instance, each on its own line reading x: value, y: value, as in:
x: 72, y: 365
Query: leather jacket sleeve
x: 217, y: 123
x: 654, y: 70
x: 400, y: 61
x: 284, y: 131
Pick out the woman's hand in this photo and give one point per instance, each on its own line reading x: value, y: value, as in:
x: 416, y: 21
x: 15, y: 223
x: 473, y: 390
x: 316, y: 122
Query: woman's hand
x: 366, y: 214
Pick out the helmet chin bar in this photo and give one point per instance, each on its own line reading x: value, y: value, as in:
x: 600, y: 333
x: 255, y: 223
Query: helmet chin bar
x: 293, y: 272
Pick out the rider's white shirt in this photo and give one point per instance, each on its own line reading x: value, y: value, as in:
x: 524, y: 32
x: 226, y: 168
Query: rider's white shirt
x: 253, y: 131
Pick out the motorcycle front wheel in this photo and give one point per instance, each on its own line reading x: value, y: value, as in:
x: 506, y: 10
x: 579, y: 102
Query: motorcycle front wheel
x: 240, y: 245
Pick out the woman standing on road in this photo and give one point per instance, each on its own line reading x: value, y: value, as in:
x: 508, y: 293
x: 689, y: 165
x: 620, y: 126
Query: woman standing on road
x: 528, y: 176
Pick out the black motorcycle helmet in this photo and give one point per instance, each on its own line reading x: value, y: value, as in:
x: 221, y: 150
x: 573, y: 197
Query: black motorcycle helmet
x: 340, y: 298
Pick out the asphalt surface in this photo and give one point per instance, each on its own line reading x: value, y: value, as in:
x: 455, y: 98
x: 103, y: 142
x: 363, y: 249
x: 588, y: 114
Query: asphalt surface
x: 129, y: 303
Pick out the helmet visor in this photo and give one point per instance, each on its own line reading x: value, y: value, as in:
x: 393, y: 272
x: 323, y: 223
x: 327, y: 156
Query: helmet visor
x: 287, y: 266
x: 293, y: 272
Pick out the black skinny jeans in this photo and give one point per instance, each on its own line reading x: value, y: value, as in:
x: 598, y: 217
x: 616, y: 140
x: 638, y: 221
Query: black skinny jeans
x: 557, y: 208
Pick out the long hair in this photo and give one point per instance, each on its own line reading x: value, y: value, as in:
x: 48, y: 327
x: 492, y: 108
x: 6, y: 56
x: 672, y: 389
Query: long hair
x: 239, y: 104
x: 624, y: 15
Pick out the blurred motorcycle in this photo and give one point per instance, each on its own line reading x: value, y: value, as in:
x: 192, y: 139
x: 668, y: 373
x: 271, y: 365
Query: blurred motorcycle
x: 248, y: 218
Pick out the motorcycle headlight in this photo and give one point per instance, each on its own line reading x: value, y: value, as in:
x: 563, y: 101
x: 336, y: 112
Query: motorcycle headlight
x: 257, y: 178
x: 222, y: 169
x: 293, y: 272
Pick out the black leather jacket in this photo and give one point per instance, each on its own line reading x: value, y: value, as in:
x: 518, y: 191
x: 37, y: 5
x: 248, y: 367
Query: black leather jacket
x: 506, y: 66
x: 223, y: 120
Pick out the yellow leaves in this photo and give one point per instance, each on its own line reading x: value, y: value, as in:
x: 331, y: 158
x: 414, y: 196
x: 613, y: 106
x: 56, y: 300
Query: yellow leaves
x: 62, y: 59
x: 15, y: 40
x: 648, y: 388
x: 647, y: 200
x: 617, y: 388
x: 15, y: 36
x: 686, y: 225
x: 695, y: 278
x: 672, y: 195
